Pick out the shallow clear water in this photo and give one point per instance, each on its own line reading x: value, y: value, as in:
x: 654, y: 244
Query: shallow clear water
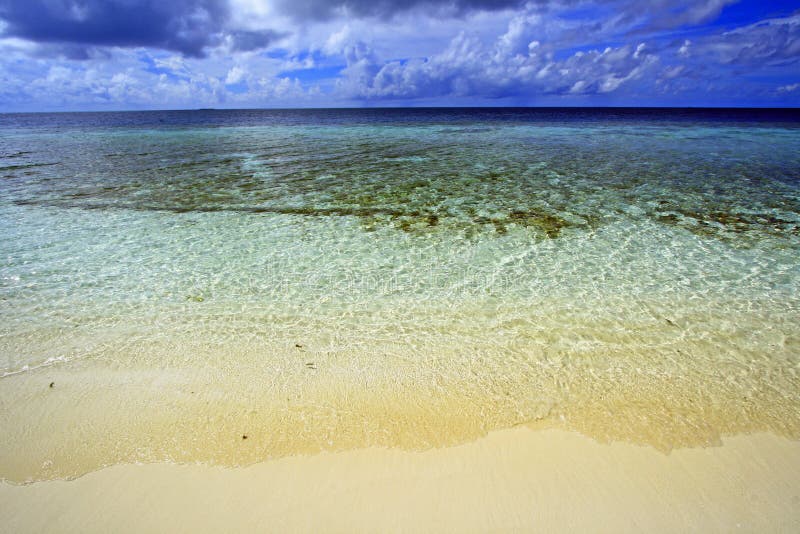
x: 336, y: 279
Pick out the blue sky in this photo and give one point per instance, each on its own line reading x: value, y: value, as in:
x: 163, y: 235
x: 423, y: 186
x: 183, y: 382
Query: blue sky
x: 159, y: 54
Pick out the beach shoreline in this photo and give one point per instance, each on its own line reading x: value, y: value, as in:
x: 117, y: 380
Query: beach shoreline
x: 518, y: 479
x: 418, y: 320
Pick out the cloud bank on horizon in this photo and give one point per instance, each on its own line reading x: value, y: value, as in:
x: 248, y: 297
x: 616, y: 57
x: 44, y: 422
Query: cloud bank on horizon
x: 154, y: 54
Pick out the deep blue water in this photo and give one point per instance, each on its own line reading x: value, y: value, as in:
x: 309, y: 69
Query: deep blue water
x: 402, y: 116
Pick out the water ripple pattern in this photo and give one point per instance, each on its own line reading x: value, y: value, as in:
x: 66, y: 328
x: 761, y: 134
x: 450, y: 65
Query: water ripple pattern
x: 171, y: 282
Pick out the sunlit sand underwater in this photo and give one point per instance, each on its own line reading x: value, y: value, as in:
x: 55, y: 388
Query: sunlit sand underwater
x: 228, y: 287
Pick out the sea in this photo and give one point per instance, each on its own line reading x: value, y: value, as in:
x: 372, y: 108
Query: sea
x: 229, y: 286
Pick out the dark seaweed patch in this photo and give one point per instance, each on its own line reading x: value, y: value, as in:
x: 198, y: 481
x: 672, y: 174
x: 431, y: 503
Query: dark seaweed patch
x: 25, y: 166
x: 718, y: 222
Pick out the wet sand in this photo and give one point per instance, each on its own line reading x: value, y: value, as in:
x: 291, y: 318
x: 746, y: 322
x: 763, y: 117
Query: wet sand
x: 512, y: 480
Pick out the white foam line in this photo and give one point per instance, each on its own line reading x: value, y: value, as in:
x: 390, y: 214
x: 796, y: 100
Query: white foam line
x: 25, y: 368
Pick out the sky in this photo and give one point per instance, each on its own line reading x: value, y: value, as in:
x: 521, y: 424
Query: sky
x: 66, y: 55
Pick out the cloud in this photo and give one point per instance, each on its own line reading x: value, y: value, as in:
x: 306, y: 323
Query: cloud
x: 215, y: 53
x: 235, y: 75
x: 596, y: 16
x: 247, y: 40
x: 514, y: 65
x: 72, y: 28
x: 771, y: 41
x: 176, y: 82
x: 186, y: 26
x: 666, y: 14
x: 77, y: 28
x: 326, y: 9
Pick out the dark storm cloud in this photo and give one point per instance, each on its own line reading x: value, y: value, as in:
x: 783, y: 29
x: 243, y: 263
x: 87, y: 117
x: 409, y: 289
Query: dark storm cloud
x: 647, y: 15
x: 186, y: 26
x: 253, y: 40
x: 70, y: 51
x: 323, y: 9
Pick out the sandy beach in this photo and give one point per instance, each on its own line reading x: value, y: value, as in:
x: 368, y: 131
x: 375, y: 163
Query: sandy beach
x: 435, y: 320
x: 510, y: 481
x: 399, y: 266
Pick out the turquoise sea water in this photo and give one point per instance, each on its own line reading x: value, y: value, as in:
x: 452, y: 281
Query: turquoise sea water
x: 335, y: 279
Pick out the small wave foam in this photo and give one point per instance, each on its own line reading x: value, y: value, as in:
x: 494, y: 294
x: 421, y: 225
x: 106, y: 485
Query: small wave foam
x: 32, y: 367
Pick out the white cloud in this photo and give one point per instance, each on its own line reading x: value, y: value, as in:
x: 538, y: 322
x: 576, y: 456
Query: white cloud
x: 543, y: 48
x: 672, y: 72
x: 513, y: 64
x: 338, y: 40
x: 235, y: 75
x: 769, y: 41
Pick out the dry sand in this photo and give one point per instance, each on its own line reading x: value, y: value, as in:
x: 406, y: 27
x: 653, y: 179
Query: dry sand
x: 512, y: 480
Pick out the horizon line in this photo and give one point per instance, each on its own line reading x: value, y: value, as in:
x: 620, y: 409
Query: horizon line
x: 386, y: 108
